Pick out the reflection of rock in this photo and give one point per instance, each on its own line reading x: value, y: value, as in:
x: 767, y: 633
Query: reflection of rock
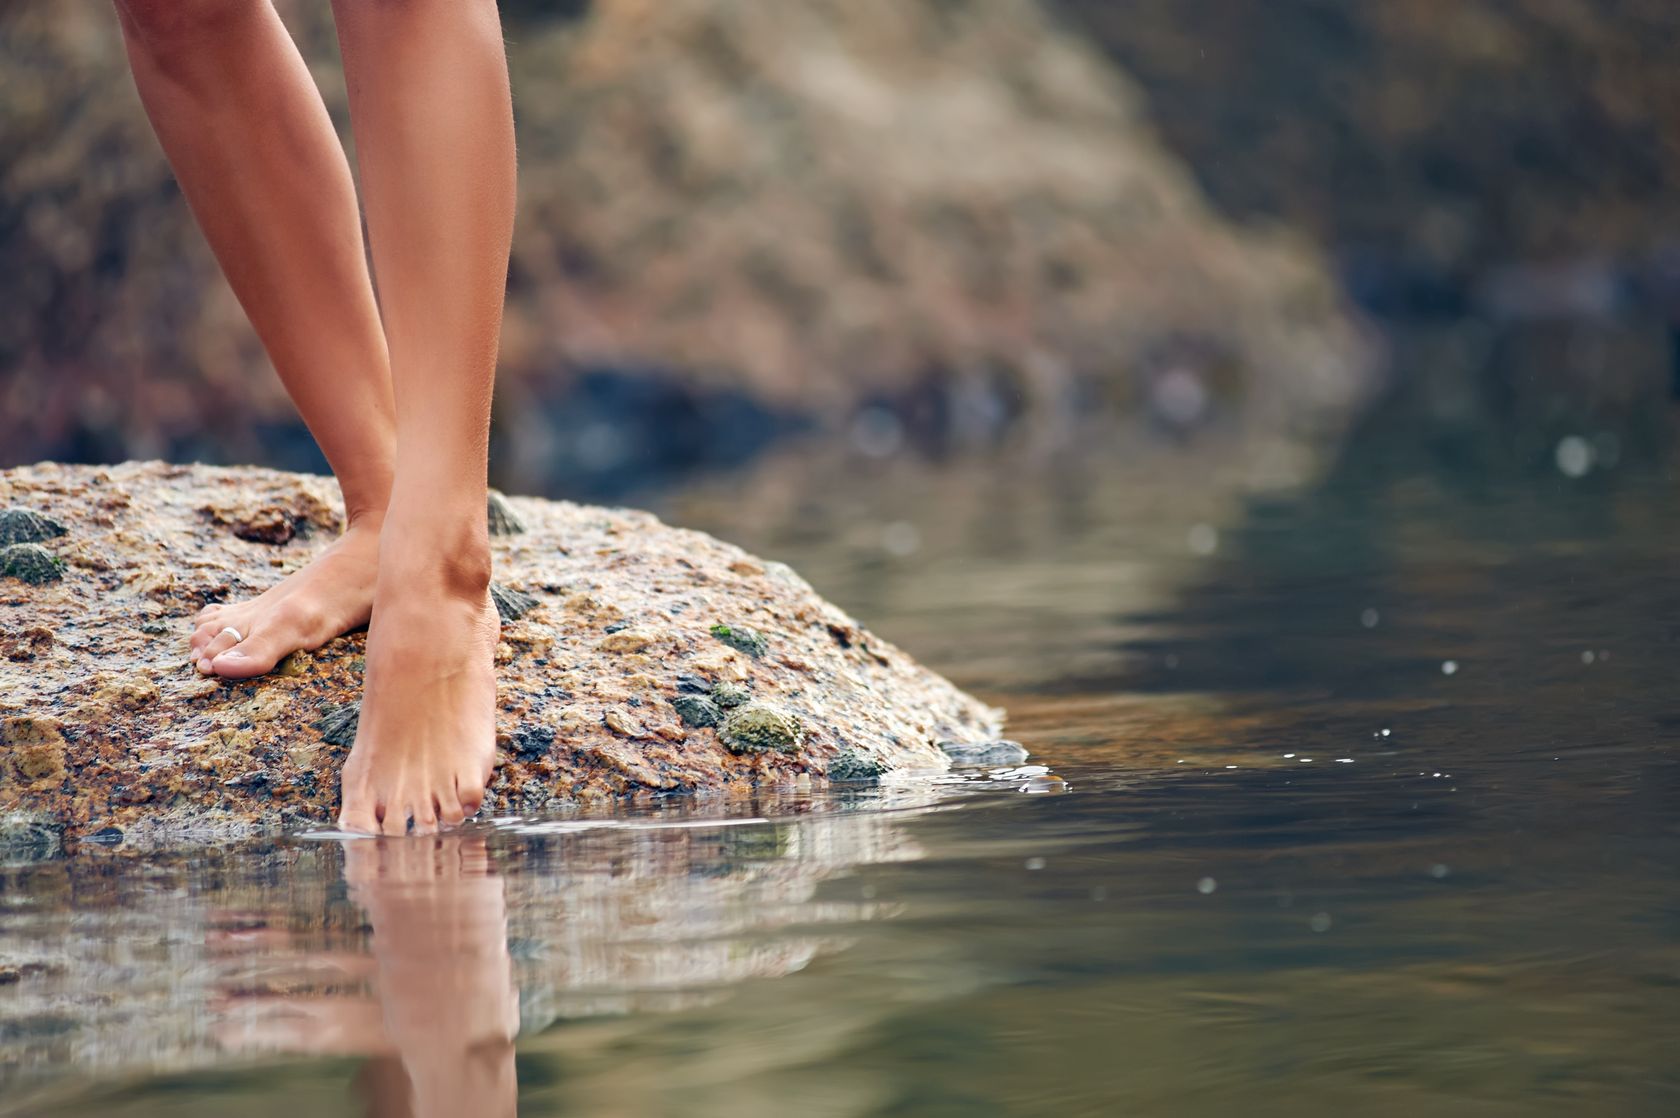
x: 617, y: 618
x: 728, y: 208
x: 157, y: 962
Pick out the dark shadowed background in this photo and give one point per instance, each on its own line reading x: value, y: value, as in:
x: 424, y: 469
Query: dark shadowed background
x: 936, y: 225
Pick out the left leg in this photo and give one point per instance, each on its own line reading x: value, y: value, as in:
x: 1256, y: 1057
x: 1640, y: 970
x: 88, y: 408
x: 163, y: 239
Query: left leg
x: 433, y: 118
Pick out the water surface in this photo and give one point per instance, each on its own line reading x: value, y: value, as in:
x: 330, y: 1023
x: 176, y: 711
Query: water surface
x: 1371, y: 776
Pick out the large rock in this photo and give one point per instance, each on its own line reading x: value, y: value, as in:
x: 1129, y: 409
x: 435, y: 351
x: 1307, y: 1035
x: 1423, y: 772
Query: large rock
x: 643, y: 659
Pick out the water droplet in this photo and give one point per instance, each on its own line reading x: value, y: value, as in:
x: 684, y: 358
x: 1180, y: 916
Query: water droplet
x: 1439, y: 870
x: 1448, y: 667
x: 1203, y: 539
x: 1386, y: 731
x: 1369, y: 618
x: 1574, y: 456
x: 1100, y: 893
x: 1344, y: 760
x: 1289, y: 755
x: 1320, y: 922
x: 1206, y: 885
x: 1035, y: 863
x: 1172, y: 660
x: 1587, y: 657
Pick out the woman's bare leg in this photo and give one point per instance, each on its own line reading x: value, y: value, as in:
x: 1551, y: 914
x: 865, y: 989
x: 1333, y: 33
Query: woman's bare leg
x: 434, y: 137
x: 256, y: 156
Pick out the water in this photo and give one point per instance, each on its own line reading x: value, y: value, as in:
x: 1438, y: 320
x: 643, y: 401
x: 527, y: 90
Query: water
x: 1300, y: 865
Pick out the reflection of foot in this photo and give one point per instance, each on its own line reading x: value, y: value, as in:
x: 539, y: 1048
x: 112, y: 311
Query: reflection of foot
x: 330, y: 596
x: 436, y: 1000
x: 445, y: 980
x: 425, y: 742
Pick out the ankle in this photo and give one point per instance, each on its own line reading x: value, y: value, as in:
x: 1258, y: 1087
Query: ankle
x: 441, y: 555
x: 366, y: 521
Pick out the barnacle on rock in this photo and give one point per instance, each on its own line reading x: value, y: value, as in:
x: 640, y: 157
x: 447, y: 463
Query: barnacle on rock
x: 851, y: 765
x: 511, y: 604
x: 338, y: 725
x: 742, y: 639
x: 697, y: 710
x: 503, y: 520
x: 26, y: 526
x: 760, y: 728
x: 31, y: 563
x: 729, y: 695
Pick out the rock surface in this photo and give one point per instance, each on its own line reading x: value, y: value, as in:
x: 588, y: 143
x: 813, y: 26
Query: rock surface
x: 106, y: 731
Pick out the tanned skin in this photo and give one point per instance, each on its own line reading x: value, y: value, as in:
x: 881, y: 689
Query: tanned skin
x: 396, y: 390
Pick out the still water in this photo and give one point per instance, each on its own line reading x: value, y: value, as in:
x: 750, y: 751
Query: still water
x: 1370, y: 801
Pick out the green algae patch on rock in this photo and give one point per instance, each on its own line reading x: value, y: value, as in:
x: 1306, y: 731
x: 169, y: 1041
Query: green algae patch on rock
x: 124, y: 735
x: 762, y: 728
x: 27, y: 526
x: 31, y: 563
x: 750, y: 641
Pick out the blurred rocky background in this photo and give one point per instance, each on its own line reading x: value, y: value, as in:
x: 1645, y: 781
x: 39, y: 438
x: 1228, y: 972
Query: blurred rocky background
x: 942, y: 225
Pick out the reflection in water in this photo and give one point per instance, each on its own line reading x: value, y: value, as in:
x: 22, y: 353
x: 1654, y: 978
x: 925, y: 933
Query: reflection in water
x: 434, y: 1007
x: 425, y: 957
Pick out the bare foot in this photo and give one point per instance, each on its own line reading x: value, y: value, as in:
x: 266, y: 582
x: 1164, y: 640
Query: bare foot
x: 426, y: 739
x: 330, y: 596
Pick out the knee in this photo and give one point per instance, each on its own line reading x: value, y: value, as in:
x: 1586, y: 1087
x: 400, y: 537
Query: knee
x: 172, y: 26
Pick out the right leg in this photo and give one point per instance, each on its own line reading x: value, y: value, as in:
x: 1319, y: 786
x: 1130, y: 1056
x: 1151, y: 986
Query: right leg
x: 262, y: 169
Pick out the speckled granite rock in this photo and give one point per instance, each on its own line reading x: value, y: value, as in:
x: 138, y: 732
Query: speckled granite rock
x: 106, y: 731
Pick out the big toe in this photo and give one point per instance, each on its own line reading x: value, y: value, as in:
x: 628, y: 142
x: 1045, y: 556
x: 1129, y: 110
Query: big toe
x: 254, y: 655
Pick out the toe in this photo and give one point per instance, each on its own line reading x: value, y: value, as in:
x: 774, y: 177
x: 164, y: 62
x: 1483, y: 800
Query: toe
x: 219, y: 643
x: 359, y: 820
x: 470, y: 794
x: 208, y: 614
x: 256, y: 654
x: 449, y: 811
x: 425, y: 819
x: 393, y: 821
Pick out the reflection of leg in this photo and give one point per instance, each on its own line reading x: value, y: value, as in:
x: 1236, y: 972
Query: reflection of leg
x: 434, y: 137
x: 256, y: 156
x: 445, y: 980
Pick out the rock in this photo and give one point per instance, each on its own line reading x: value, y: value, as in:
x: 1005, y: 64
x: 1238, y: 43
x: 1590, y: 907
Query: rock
x: 28, y: 644
x: 31, y: 563
x: 750, y: 641
x: 532, y: 742
x: 760, y: 728
x: 29, y: 836
x: 503, y: 520
x: 24, y: 526
x: 625, y: 641
x: 697, y: 710
x: 511, y: 604
x: 984, y: 752
x: 157, y: 749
